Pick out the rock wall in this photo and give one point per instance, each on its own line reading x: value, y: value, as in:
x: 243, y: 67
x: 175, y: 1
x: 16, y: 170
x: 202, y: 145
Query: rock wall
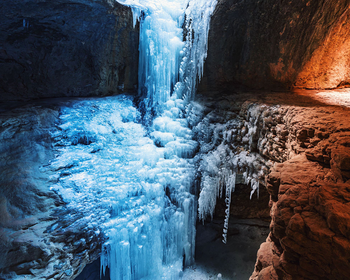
x: 66, y: 48
x: 309, y: 206
x: 278, y: 45
x: 301, y: 147
x: 89, y: 48
x: 309, y: 195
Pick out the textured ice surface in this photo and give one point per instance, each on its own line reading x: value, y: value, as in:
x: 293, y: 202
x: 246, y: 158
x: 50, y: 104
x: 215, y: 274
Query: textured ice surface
x: 173, y: 47
x: 119, y: 181
x: 227, y: 144
x: 138, y: 188
x: 151, y: 228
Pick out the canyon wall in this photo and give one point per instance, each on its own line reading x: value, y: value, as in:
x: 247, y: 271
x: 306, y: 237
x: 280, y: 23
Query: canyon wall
x: 89, y: 48
x: 66, y: 48
x: 309, y: 197
x: 278, y: 45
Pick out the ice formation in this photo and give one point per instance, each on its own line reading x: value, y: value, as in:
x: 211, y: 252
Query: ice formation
x: 227, y: 145
x: 135, y: 183
x: 173, y: 47
x: 118, y: 181
x: 168, y: 71
x: 230, y: 185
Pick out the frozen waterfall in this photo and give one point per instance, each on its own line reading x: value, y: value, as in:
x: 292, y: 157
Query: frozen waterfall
x: 135, y: 183
x: 151, y: 231
x: 173, y: 47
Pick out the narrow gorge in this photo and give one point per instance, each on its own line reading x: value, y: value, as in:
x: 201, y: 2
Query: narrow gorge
x: 175, y: 139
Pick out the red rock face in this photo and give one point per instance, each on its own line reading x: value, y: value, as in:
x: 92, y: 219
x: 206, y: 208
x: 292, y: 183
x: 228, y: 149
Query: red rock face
x: 328, y: 66
x: 278, y: 45
x: 310, y: 201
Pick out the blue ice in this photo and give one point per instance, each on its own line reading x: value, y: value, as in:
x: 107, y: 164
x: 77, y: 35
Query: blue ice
x: 137, y: 193
x: 135, y: 183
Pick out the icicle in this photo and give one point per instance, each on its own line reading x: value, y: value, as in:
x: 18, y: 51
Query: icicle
x: 166, y: 63
x: 255, y: 187
x: 230, y: 186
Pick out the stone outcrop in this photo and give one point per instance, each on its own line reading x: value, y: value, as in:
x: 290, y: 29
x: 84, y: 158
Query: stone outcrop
x: 278, y: 44
x: 309, y: 230
x: 66, y: 48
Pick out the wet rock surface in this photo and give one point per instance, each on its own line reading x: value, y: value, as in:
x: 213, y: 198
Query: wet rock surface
x: 66, y: 48
x: 278, y: 45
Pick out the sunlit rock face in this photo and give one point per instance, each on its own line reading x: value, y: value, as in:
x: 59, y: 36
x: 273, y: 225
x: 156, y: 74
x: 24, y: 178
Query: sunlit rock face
x: 278, y: 45
x: 66, y: 48
x: 309, y: 194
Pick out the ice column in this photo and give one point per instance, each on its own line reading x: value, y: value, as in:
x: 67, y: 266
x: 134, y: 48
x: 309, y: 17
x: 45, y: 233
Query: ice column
x: 197, y: 23
x: 169, y: 64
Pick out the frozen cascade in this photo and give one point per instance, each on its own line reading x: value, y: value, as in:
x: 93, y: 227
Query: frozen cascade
x: 170, y: 67
x: 119, y: 182
x: 135, y: 183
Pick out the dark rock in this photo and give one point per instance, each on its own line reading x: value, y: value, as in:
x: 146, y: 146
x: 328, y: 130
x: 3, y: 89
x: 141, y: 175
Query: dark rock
x: 66, y: 48
x: 244, y: 208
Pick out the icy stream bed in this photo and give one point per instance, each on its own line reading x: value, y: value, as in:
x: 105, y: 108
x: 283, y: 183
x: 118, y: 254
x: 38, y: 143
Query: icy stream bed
x: 138, y: 194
